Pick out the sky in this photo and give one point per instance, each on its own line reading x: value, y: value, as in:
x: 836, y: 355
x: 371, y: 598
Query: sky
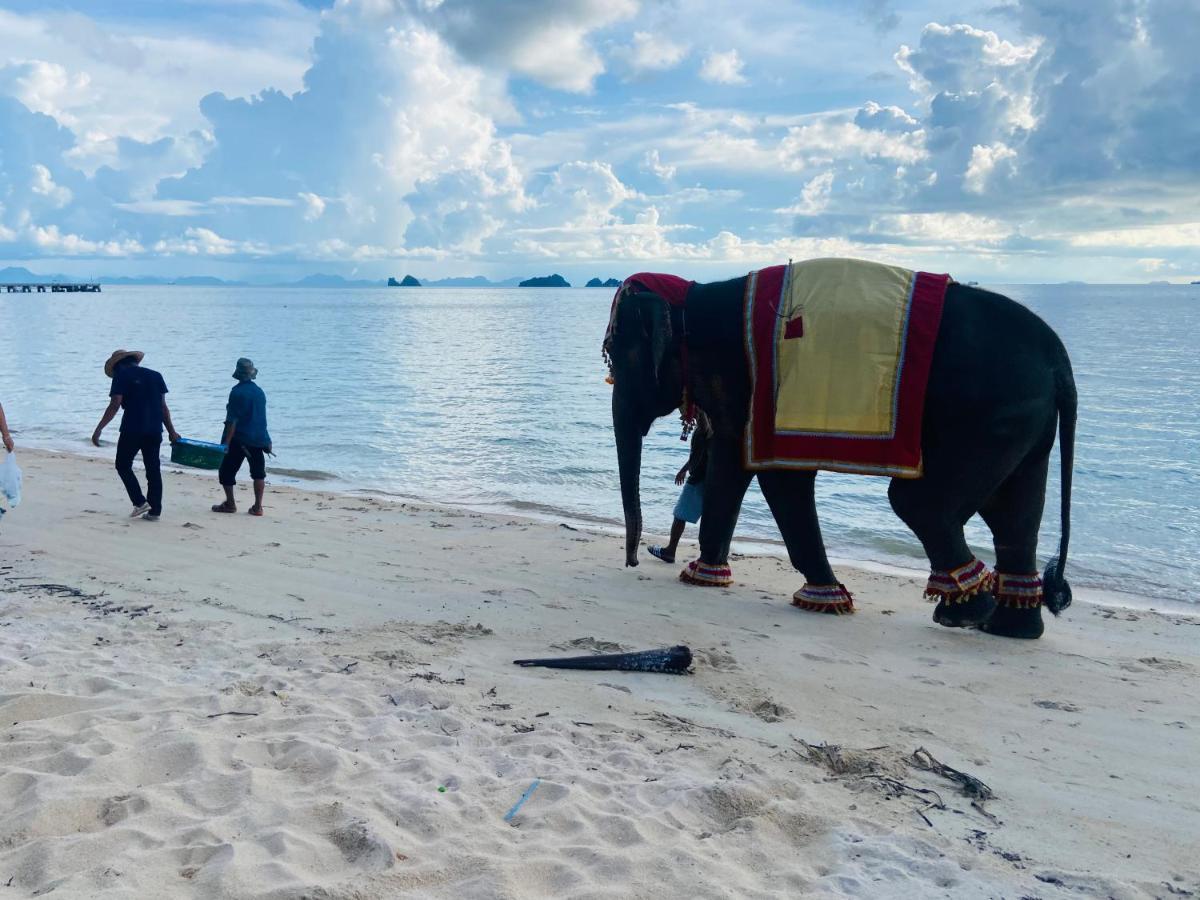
x: 1005, y: 141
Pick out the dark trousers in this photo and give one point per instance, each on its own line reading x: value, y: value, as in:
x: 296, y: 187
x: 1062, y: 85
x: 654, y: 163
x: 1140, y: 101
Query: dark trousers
x: 128, y: 447
x: 235, y: 456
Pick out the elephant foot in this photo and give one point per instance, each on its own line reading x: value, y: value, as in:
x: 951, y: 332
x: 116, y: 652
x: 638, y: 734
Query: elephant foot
x: 964, y: 595
x: 1015, y: 623
x: 825, y: 598
x: 964, y: 611
x: 707, y: 574
x: 1019, y: 607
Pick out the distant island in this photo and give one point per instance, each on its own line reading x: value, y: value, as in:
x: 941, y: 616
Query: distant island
x: 596, y: 282
x: 407, y: 281
x: 545, y: 281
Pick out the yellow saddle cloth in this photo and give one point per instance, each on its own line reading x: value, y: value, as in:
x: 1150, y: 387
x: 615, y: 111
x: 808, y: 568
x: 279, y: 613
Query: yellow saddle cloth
x: 839, y: 352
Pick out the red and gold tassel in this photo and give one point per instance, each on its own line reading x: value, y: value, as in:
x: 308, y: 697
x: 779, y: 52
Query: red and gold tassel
x: 961, y: 584
x: 1019, y: 591
x: 826, y: 598
x: 706, y: 575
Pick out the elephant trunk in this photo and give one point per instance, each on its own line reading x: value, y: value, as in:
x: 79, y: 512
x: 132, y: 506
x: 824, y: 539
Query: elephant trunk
x: 629, y: 462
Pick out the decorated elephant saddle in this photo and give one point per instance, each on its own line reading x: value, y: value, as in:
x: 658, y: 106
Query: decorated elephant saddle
x: 839, y: 352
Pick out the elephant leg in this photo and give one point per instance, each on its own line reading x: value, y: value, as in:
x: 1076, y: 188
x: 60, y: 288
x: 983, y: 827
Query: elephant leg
x: 790, y: 495
x: 725, y: 484
x: 936, y: 507
x: 1014, y: 514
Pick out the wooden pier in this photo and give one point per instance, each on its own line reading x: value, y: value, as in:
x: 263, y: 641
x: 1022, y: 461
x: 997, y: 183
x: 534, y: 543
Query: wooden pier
x: 57, y: 287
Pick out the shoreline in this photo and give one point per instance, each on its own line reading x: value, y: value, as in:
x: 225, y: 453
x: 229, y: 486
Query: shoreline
x: 749, y: 547
x: 322, y: 702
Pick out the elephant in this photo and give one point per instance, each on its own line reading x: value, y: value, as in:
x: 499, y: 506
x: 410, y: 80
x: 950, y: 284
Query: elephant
x: 1000, y: 386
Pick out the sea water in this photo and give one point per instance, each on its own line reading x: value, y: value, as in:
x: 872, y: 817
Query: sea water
x: 495, y: 400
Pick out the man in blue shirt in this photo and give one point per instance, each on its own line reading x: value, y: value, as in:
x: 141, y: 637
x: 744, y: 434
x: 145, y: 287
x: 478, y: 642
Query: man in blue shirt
x: 143, y: 395
x: 246, y: 436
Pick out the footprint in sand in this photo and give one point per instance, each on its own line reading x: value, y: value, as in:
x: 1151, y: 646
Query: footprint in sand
x: 361, y: 846
x: 1164, y: 665
x: 1062, y: 705
x: 770, y: 711
x: 715, y: 658
x: 119, y: 808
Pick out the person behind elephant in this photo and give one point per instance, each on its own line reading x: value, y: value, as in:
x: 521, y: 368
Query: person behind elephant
x: 4, y: 435
x: 246, y: 437
x: 690, y: 505
x: 9, y: 446
x: 142, y: 393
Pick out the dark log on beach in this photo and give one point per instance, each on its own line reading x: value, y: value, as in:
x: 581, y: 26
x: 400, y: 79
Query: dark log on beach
x: 670, y: 660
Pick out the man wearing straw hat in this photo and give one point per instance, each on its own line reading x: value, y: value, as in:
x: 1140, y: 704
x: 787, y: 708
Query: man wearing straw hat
x: 246, y: 437
x: 143, y: 395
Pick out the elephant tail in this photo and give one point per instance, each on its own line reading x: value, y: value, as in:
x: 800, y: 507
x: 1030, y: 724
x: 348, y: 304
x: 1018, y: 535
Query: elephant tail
x: 1057, y: 595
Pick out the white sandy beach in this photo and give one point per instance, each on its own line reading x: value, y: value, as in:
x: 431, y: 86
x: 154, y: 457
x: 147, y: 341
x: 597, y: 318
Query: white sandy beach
x: 321, y: 703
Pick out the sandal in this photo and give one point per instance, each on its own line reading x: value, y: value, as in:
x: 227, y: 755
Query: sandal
x: 225, y: 507
x: 660, y: 553
x: 255, y: 511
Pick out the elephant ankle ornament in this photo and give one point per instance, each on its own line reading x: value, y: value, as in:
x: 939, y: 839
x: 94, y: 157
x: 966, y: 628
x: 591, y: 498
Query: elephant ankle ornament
x: 976, y: 392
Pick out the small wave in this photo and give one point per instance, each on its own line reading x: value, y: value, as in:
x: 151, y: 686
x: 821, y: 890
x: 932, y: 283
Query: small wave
x: 303, y: 474
x: 544, y: 509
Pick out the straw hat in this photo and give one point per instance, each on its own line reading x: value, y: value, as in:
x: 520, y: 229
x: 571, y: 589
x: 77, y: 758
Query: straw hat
x: 119, y: 355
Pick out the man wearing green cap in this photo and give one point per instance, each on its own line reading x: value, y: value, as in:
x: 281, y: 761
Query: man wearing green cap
x: 246, y: 437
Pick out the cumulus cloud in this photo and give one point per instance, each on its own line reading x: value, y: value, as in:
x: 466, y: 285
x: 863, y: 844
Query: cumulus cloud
x: 983, y: 163
x: 546, y: 40
x: 723, y: 67
x: 206, y: 242
x: 648, y: 52
x: 941, y: 227
x: 106, y: 85
x: 1182, y: 235
x: 314, y: 206
x: 42, y: 183
x: 814, y: 198
x: 960, y: 58
x: 49, y: 240
x: 45, y: 87
x: 652, y: 163
x: 874, y: 117
x: 835, y: 138
x: 389, y: 122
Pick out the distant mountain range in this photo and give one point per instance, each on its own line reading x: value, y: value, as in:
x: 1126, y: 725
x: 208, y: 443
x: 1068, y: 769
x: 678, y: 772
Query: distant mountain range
x: 472, y: 281
x: 21, y: 275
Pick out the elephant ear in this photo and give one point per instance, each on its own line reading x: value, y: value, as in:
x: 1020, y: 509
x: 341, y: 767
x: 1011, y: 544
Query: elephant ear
x: 655, y: 321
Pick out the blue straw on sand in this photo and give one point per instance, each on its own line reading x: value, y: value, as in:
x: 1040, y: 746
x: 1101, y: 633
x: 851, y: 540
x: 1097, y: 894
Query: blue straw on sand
x: 525, y: 796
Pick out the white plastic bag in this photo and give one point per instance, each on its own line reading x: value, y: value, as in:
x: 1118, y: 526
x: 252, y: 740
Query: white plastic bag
x: 10, y: 480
